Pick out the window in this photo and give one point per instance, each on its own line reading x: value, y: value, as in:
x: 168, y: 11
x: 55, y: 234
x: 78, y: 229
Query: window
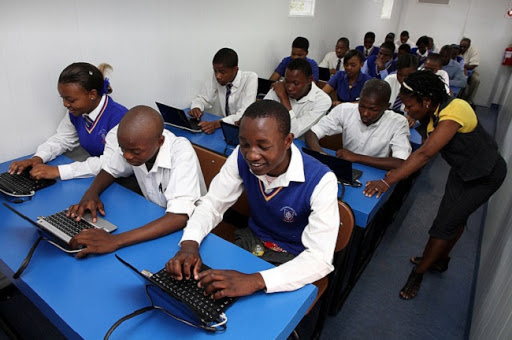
x: 302, y: 8
x: 387, y: 8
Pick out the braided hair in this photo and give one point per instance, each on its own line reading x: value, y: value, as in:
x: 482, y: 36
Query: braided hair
x: 425, y: 84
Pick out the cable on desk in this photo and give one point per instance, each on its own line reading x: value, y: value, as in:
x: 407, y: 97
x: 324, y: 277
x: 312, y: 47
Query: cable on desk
x: 27, y: 259
x: 221, y: 326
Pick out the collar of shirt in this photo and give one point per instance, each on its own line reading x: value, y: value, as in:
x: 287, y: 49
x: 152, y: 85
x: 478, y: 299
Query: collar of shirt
x: 294, y: 173
x: 311, y: 96
x: 94, y: 113
x: 162, y: 158
x: 376, y: 124
x: 235, y: 82
x: 424, y: 55
x: 369, y: 50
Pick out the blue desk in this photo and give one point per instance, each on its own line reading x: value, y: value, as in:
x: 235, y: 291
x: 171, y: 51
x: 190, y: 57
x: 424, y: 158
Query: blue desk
x: 364, y: 208
x: 83, y: 298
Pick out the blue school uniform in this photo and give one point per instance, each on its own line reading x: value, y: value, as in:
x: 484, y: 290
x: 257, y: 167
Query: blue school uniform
x: 281, y: 68
x: 346, y: 93
x: 92, y: 135
x: 375, y: 51
x: 421, y: 60
x: 370, y: 68
x: 281, y: 215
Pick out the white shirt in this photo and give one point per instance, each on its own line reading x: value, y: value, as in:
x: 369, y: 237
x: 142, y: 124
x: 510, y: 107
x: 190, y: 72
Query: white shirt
x: 398, y: 43
x: 389, y: 136
x: 306, y: 111
x: 175, y: 181
x: 471, y: 56
x: 318, y: 237
x: 395, y: 89
x: 243, y: 94
x: 66, y: 139
x: 331, y: 60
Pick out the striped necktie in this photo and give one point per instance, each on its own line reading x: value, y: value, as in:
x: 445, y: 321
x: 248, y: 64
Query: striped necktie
x: 88, y: 121
x: 397, y: 105
x: 338, y: 64
x: 228, y: 93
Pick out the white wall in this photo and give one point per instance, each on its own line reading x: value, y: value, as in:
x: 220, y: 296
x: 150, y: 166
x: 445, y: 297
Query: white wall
x: 482, y: 21
x: 160, y: 50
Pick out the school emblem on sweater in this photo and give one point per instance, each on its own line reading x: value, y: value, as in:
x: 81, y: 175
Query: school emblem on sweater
x: 288, y: 214
x: 103, y: 135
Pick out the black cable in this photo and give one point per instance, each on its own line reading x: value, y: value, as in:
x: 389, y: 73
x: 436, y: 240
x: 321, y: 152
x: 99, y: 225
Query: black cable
x: 27, y: 259
x: 340, y: 197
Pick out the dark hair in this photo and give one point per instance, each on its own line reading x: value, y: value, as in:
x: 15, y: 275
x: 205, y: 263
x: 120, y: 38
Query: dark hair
x: 301, y: 42
x: 404, y: 33
x: 227, y: 57
x: 370, y: 35
x: 405, y: 47
x: 352, y: 53
x: 436, y: 58
x: 88, y: 76
x: 466, y: 39
x: 455, y: 46
x: 389, y: 45
x: 270, y: 109
x: 390, y: 35
x: 422, y: 40
x: 301, y: 65
x: 425, y: 84
x: 406, y: 61
x: 377, y: 87
x: 448, y: 48
x: 344, y: 40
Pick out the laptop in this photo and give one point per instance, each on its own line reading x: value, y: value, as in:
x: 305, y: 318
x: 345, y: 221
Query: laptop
x: 178, y: 118
x: 185, y: 299
x: 20, y: 187
x: 324, y: 73
x: 61, y: 229
x: 341, y: 167
x: 264, y: 85
x: 230, y: 132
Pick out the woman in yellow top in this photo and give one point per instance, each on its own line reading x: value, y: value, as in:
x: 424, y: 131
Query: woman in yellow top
x: 451, y: 127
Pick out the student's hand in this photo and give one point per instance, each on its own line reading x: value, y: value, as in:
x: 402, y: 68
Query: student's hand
x: 375, y: 187
x: 209, y: 127
x: 41, y: 171
x: 346, y: 155
x: 96, y: 241
x: 229, y: 283
x: 336, y: 103
x: 280, y: 89
x: 187, y: 261
x: 17, y: 167
x: 196, y: 113
x: 332, y: 71
x: 381, y: 63
x: 90, y: 201
x: 411, y: 121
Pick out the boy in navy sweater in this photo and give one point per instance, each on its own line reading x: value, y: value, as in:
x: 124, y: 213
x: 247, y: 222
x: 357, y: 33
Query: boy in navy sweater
x: 300, y: 47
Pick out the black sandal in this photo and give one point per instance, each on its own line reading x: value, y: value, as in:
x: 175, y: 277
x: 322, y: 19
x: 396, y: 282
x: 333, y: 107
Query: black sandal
x: 440, y: 265
x: 412, y: 286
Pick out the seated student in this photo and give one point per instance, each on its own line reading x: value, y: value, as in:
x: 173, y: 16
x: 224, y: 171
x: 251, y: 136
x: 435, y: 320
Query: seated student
x: 234, y: 89
x: 421, y: 50
x: 404, y: 39
x: 434, y: 63
x: 390, y: 37
x: 405, y: 65
x: 167, y: 170
x: 455, y: 73
x: 382, y: 64
x: 334, y: 60
x: 92, y: 113
x: 300, y: 47
x: 456, y: 55
x: 431, y: 46
x: 404, y: 49
x: 368, y: 49
x: 298, y: 93
x: 348, y: 83
x: 471, y: 62
x: 294, y: 211
x: 371, y: 134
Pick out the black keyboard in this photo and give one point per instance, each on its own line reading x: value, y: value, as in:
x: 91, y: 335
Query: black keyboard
x: 66, y: 224
x: 22, y: 184
x: 187, y: 291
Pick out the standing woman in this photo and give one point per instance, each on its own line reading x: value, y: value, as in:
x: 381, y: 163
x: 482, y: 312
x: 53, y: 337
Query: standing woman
x: 451, y: 127
x: 92, y: 113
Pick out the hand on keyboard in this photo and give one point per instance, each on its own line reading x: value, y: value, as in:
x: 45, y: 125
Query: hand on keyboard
x: 96, y: 241
x: 17, y: 167
x: 229, y: 283
x: 43, y: 171
x: 89, y: 201
x: 186, y: 263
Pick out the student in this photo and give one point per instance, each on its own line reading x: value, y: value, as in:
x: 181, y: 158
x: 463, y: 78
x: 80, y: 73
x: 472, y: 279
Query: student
x: 92, y: 113
x: 404, y: 49
x: 405, y: 65
x: 300, y: 47
x: 382, y: 64
x: 167, y: 170
x: 421, y: 50
x: 348, y: 83
x: 456, y: 55
x: 404, y: 39
x: 450, y: 127
x: 234, y: 89
x: 431, y: 46
x: 302, y: 98
x: 434, y: 63
x: 471, y: 62
x: 390, y: 37
x: 371, y: 134
x: 452, y: 68
x: 294, y: 207
x: 334, y: 60
x: 368, y: 49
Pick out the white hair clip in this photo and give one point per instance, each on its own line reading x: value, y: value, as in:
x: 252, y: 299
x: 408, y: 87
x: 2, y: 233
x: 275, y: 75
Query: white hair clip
x: 90, y: 73
x: 407, y: 86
